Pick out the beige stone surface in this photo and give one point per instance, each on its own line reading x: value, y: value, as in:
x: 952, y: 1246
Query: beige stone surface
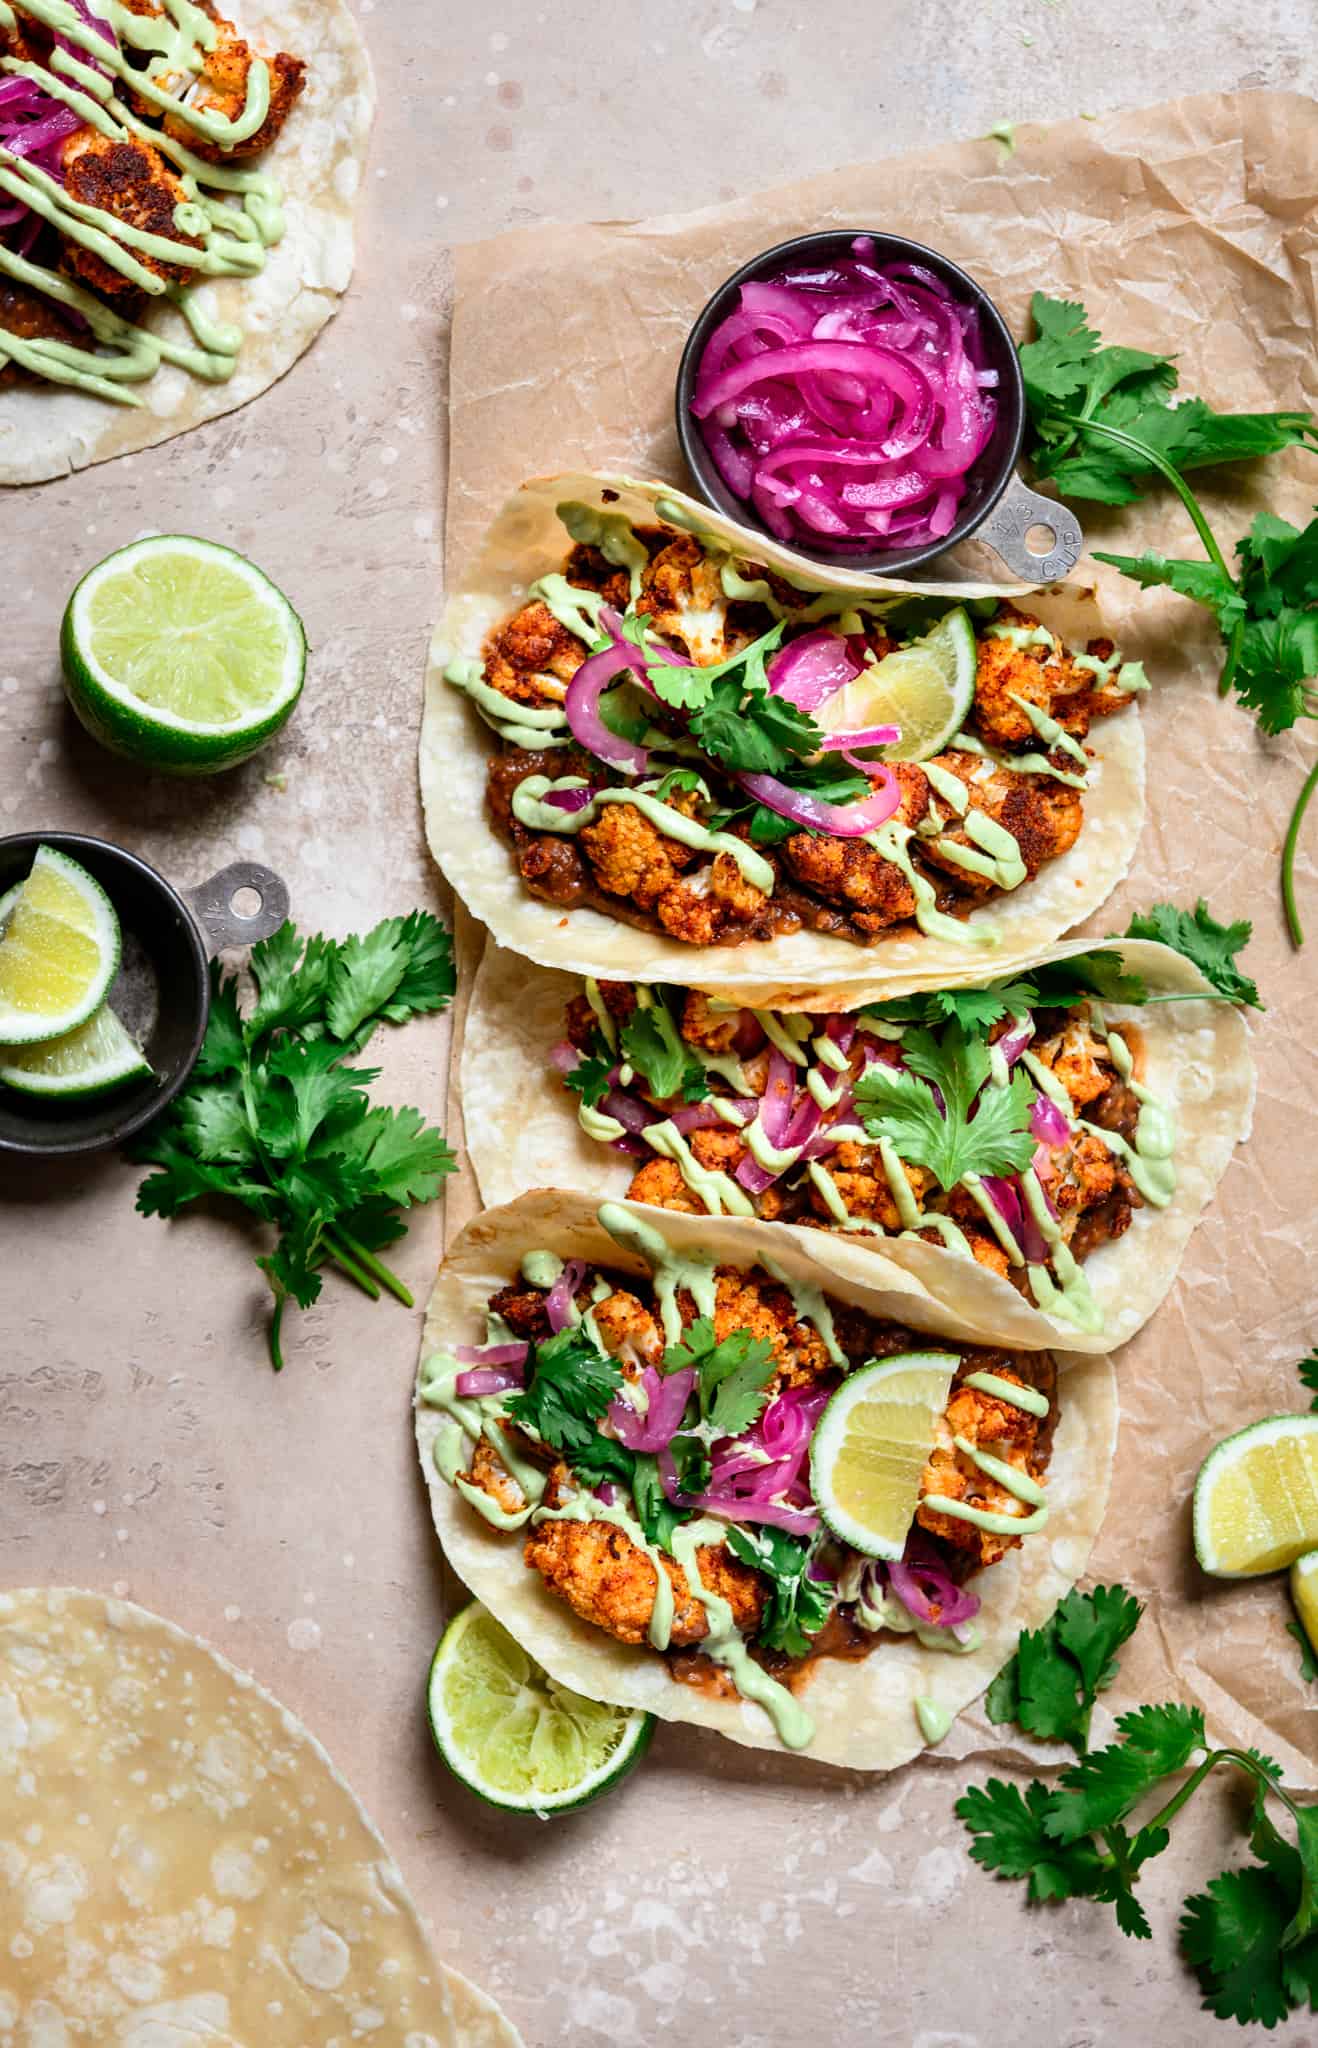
x: 144, y: 1445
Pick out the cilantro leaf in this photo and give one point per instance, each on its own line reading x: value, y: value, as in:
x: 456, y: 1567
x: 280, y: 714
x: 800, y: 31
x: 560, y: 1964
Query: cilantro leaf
x: 1308, y: 1371
x: 1058, y: 984
x: 224, y: 1047
x: 651, y: 1042
x: 304, y: 1082
x: 406, y: 1159
x: 797, y: 1605
x: 602, y: 1457
x: 212, y: 1119
x: 1107, y: 1784
x: 691, y: 1463
x: 904, y: 1108
x: 1011, y: 1837
x: 590, y: 1077
x: 828, y: 778
x: 1050, y: 1685
x: 656, y: 1514
x: 569, y: 1386
x: 1231, y: 1934
x: 182, y: 1177
x: 732, y: 1376
x: 1202, y: 582
x: 363, y: 975
x: 292, y: 981
x: 1212, y: 947
x: 759, y: 735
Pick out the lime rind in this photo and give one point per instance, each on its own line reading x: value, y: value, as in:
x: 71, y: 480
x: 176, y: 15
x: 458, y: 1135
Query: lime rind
x: 181, y: 654
x: 95, y: 1057
x: 20, y: 1024
x: 831, y: 1431
x: 905, y: 688
x: 1304, y: 1595
x: 1220, y: 1462
x: 513, y: 1735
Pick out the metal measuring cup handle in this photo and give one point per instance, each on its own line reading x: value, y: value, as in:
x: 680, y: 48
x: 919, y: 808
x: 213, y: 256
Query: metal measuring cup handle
x: 1016, y: 513
x: 212, y: 905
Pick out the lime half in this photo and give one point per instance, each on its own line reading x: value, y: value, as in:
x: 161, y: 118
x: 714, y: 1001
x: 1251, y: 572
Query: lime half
x: 99, y: 1055
x: 926, y: 688
x: 872, y: 1444
x: 59, y: 950
x: 515, y: 1736
x: 1256, y: 1499
x: 181, y: 654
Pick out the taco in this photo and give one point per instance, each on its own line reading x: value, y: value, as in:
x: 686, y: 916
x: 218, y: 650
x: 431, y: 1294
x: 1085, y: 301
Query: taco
x: 184, y: 1862
x: 655, y: 746
x: 620, y: 1419
x: 1118, y: 1085
x: 176, y: 195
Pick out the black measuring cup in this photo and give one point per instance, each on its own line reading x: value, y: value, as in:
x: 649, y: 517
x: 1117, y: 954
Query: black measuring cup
x: 161, y: 992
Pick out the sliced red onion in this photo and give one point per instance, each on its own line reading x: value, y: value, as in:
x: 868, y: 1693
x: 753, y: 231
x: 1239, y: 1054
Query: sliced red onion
x: 581, y: 706
x: 811, y: 669
x: 654, y: 1431
x: 1048, y: 1123
x: 927, y: 1590
x: 1006, y: 1199
x: 801, y: 1521
x: 702, y: 1116
x: 634, y: 1116
x: 607, y: 1492
x: 564, y: 1056
x: 1013, y: 1043
x: 570, y: 800
x: 559, y: 1302
x: 868, y: 736
x: 487, y: 1379
x: 1033, y: 1242
x: 514, y: 1354
x: 840, y: 821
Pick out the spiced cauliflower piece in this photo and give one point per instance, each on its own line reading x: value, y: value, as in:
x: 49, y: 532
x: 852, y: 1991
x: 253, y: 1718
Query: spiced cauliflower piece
x: 132, y: 182
x: 1010, y: 1434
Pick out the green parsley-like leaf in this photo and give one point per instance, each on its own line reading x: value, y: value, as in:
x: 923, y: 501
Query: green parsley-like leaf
x: 224, y: 1048
x: 364, y: 975
x: 902, y: 1107
x: 654, y: 1511
x: 758, y: 735
x: 1212, y: 947
x: 590, y: 1077
x: 797, y: 1605
x: 1107, y: 1784
x: 212, y: 1120
x: 691, y: 1463
x: 1009, y: 1826
x: 292, y: 980
x: 1092, y: 1627
x: 304, y: 1082
x: 1308, y: 1372
x: 603, y: 1458
x: 406, y: 1159
x: 1050, y: 1685
x: 570, y: 1385
x: 1203, y: 582
x: 1231, y: 1934
x: 732, y: 1376
x: 652, y: 1043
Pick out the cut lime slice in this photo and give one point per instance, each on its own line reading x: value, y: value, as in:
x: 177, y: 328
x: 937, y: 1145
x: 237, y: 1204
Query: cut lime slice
x: 871, y: 1447
x: 181, y: 654
x: 59, y: 951
x: 1304, y: 1592
x: 926, y: 688
x: 98, y: 1055
x: 515, y: 1736
x: 1256, y: 1499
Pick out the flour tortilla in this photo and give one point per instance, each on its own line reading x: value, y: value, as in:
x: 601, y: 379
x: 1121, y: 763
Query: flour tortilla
x: 46, y: 430
x: 864, y: 1712
x: 808, y: 970
x: 522, y: 1132
x: 180, y: 1862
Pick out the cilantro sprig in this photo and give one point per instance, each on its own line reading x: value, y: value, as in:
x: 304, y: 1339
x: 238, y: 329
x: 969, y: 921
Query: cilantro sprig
x: 275, y: 1119
x: 652, y: 1043
x: 569, y: 1385
x: 1251, y: 1935
x: 732, y: 1375
x: 926, y: 1113
x: 796, y: 1605
x: 1103, y: 427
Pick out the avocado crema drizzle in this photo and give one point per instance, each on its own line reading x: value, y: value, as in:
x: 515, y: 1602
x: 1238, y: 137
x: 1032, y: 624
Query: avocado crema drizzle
x: 994, y: 853
x: 469, y: 1419
x: 234, y: 240
x: 1064, y: 1292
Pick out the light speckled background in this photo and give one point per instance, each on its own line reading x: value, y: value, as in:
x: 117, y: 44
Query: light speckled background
x: 143, y: 1445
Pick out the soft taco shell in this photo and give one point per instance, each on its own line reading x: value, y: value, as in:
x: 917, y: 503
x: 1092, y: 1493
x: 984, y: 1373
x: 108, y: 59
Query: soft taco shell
x: 522, y: 1132
x: 46, y: 430
x: 806, y: 970
x: 196, y: 1851
x: 864, y: 1712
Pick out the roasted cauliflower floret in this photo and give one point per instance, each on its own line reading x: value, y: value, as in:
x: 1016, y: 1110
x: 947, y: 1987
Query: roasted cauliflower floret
x: 766, y: 1311
x: 630, y: 857
x: 1043, y: 817
x: 857, y: 1171
x: 221, y: 88
x: 1002, y: 1431
x: 1085, y: 1173
x: 628, y: 1331
x: 1079, y: 1059
x: 490, y: 1475
x: 531, y: 657
x: 856, y: 874
x: 707, y: 908
x: 660, y: 1183
x: 132, y: 182
x: 609, y: 1582
x: 619, y: 999
x: 682, y: 594
x: 718, y: 1029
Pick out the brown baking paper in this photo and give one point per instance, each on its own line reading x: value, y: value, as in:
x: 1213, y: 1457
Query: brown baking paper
x: 1190, y: 229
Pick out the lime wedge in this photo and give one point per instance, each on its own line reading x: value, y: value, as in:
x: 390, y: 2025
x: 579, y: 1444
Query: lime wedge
x: 181, y: 654
x: 871, y: 1447
x: 926, y: 688
x: 59, y: 951
x: 1304, y: 1592
x: 516, y: 1737
x: 98, y: 1055
x: 1256, y: 1499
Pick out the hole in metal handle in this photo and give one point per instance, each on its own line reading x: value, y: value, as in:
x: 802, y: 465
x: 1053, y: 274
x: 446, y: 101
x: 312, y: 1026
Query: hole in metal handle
x: 241, y: 904
x: 1038, y: 539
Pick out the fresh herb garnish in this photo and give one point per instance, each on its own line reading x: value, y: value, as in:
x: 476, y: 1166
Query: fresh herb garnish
x: 1251, y: 1935
x: 752, y: 732
x: 1057, y: 984
x: 902, y: 1107
x: 570, y: 1383
x: 1308, y: 1371
x: 732, y: 1375
x: 827, y: 779
x: 652, y: 1043
x: 275, y: 1119
x: 1103, y: 428
x: 1210, y: 946
x: 796, y: 1606
x: 654, y: 1511
x: 590, y: 1077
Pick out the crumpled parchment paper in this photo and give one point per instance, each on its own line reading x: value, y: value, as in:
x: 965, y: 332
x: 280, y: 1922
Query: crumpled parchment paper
x: 1191, y: 229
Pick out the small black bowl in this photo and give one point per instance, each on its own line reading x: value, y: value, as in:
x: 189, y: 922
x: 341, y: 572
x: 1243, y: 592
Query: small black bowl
x: 161, y: 992
x: 995, y: 467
